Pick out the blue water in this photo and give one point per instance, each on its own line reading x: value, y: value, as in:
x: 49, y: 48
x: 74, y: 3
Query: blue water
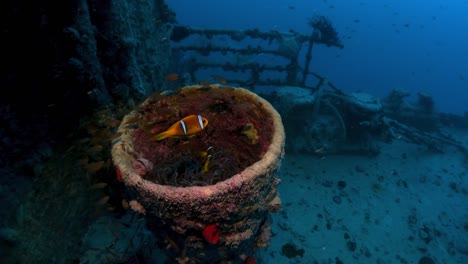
x: 349, y: 195
x: 418, y: 45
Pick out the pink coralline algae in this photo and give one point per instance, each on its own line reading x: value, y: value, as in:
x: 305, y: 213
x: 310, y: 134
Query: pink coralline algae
x: 215, y: 213
x: 142, y: 166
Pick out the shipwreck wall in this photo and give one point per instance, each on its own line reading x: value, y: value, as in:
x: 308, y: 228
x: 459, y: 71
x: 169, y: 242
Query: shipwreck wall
x: 72, y: 56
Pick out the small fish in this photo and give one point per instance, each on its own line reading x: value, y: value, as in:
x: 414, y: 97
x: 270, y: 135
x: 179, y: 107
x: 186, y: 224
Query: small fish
x: 137, y: 207
x: 206, y: 163
x: 112, y: 123
x: 204, y: 83
x: 188, y: 126
x: 167, y: 92
x: 171, y: 77
x: 94, y: 167
x: 205, y: 158
x: 98, y: 185
x: 204, y: 154
x: 125, y: 204
x: 103, y: 200
x: 250, y: 83
x: 95, y: 149
x: 319, y: 150
x: 219, y: 79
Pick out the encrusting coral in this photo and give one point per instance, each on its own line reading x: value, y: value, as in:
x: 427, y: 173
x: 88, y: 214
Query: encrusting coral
x: 210, y: 193
x: 236, y: 135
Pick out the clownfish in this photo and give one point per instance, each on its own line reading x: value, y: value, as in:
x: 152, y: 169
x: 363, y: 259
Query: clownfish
x: 205, y: 158
x: 187, y: 126
x: 206, y: 163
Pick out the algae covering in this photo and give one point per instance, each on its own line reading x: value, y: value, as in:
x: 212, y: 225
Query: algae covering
x: 231, y: 139
x: 207, y: 194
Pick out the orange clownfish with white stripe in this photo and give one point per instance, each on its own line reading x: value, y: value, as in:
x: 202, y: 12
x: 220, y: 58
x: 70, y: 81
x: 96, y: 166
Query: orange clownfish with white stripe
x: 186, y: 127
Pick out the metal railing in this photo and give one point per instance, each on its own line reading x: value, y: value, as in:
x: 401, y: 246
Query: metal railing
x: 293, y: 48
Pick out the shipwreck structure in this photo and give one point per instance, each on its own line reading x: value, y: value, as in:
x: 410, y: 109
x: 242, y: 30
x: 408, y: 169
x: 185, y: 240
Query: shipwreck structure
x: 269, y: 58
x: 321, y: 118
x: 88, y: 55
x: 208, y: 196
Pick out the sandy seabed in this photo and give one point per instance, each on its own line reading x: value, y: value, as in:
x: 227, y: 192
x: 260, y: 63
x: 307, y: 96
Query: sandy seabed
x: 406, y: 205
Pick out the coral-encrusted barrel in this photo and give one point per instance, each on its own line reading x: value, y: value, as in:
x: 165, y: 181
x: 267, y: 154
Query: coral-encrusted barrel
x: 208, y: 196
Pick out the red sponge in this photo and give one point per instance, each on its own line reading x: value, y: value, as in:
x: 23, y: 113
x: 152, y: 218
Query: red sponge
x: 211, y: 233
